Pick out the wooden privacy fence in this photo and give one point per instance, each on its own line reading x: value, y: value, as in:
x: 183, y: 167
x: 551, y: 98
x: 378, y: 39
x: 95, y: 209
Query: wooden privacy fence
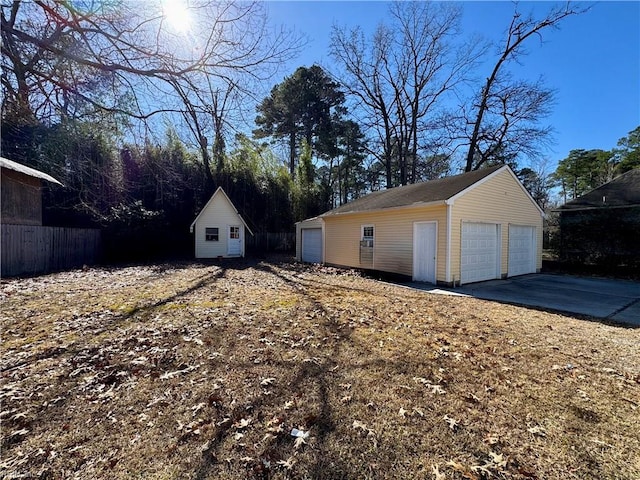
x: 28, y: 250
x: 271, y: 242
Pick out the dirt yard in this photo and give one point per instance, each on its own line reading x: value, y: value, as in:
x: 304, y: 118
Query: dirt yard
x: 277, y: 370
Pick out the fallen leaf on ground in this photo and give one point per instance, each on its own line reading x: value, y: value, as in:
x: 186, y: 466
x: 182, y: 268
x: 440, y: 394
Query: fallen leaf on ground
x: 437, y: 474
x: 242, y: 423
x: 537, y: 430
x: 267, y: 381
x: 288, y: 463
x: 453, y: 423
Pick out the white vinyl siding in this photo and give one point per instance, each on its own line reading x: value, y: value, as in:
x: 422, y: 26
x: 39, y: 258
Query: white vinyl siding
x: 393, y: 251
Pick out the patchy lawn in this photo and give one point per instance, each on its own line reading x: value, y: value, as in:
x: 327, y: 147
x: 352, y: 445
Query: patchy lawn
x: 203, y: 371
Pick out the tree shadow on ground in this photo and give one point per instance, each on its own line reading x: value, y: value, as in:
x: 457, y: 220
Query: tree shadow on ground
x: 327, y: 463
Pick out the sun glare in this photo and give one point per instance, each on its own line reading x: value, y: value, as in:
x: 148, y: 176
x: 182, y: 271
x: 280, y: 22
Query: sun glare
x: 176, y: 14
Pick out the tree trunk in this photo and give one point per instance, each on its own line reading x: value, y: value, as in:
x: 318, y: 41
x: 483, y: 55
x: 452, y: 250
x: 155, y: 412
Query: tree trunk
x: 210, y: 183
x: 292, y: 154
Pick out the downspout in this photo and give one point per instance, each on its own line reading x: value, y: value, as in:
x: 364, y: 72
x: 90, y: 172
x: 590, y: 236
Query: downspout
x: 324, y: 244
x: 449, y: 204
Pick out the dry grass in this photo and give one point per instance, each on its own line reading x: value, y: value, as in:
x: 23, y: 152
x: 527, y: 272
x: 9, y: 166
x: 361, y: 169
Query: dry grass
x: 202, y: 371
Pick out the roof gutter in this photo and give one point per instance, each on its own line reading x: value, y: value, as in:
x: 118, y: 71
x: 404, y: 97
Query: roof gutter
x: 603, y: 207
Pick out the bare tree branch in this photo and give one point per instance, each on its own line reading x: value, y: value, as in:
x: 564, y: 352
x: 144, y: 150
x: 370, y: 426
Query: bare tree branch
x: 400, y: 78
x: 520, y: 29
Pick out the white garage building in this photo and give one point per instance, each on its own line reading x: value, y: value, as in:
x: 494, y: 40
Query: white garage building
x: 467, y: 228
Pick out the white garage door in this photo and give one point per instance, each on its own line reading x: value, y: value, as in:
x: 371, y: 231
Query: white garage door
x: 480, y: 257
x: 522, y: 250
x: 312, y: 245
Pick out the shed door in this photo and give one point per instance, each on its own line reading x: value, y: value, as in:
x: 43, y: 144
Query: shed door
x: 480, y: 252
x: 424, y: 251
x: 522, y: 250
x: 234, y: 245
x: 312, y: 245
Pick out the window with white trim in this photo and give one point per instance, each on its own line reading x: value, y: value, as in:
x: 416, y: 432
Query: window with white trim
x: 212, y: 234
x: 234, y: 233
x: 367, y: 235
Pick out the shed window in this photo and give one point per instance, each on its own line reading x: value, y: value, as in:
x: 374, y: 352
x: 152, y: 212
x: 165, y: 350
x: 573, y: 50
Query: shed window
x: 234, y: 232
x: 211, y: 234
x: 367, y: 235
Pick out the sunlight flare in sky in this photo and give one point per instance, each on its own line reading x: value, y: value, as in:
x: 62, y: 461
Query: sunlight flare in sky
x: 176, y: 13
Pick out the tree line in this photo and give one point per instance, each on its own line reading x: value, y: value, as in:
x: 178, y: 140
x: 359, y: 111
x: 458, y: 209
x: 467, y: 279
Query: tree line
x: 584, y: 170
x: 142, y: 124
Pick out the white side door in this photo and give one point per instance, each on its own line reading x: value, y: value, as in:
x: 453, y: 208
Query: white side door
x: 234, y: 240
x: 522, y: 250
x: 425, y: 236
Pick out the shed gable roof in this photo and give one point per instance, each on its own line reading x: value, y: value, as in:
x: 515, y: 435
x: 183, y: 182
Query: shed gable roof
x: 32, y: 172
x: 622, y: 191
x: 222, y: 193
x: 441, y: 189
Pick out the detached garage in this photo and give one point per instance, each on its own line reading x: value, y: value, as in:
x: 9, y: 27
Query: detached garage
x: 467, y: 228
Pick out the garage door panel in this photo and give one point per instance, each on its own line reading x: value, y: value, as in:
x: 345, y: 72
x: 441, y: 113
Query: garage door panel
x: 522, y: 250
x: 479, y: 260
x: 312, y: 245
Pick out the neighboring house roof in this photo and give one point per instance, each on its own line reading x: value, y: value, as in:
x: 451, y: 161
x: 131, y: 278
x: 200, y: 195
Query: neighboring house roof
x: 32, y: 172
x: 222, y: 192
x: 622, y: 191
x: 434, y: 191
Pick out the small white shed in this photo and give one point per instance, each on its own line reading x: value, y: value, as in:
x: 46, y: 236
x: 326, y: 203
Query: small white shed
x: 219, y: 229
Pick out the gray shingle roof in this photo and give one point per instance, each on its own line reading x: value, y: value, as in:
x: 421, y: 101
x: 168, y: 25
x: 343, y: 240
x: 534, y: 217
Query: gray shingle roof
x: 620, y: 192
x: 425, y: 192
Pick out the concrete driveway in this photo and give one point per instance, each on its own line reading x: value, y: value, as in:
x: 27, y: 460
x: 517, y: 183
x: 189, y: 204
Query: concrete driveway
x: 615, y: 300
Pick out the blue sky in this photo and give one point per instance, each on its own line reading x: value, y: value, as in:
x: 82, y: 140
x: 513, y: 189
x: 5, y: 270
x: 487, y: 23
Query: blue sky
x: 592, y: 61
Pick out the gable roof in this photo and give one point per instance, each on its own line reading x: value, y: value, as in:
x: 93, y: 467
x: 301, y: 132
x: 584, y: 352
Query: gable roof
x: 416, y: 194
x: 32, y: 172
x: 622, y: 191
x: 222, y: 192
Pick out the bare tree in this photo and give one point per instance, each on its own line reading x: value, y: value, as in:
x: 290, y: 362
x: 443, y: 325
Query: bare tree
x: 516, y: 107
x: 120, y: 58
x: 129, y: 45
x: 400, y: 76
